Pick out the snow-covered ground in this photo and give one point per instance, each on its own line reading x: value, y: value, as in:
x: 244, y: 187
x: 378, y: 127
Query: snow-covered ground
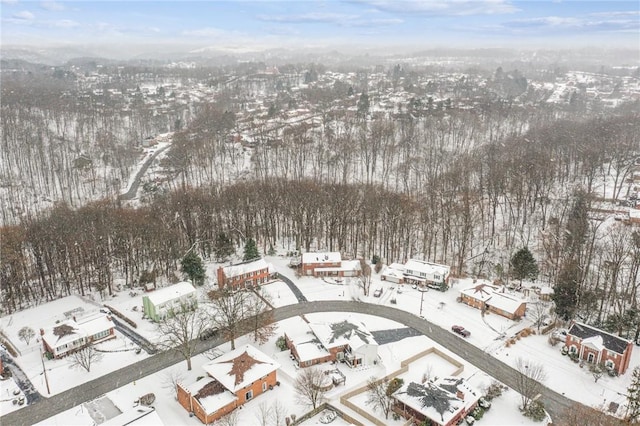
x: 442, y: 308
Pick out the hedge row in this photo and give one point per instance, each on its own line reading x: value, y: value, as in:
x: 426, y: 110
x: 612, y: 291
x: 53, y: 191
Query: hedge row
x: 122, y: 317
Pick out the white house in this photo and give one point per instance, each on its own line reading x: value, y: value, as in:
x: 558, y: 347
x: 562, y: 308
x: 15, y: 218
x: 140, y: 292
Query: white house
x: 425, y: 273
x: 393, y: 273
x: 158, y: 303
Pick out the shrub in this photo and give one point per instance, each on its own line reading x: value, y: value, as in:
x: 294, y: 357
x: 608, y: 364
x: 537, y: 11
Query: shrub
x: 281, y: 343
x: 535, y: 411
x: 492, y: 391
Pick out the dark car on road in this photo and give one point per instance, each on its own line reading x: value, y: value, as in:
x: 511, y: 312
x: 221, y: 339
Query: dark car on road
x: 208, y: 333
x: 458, y: 329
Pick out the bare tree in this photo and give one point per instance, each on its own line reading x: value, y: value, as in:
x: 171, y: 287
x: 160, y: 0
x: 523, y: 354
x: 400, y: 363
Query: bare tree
x: 365, y: 279
x: 309, y: 387
x: 26, y: 334
x: 528, y: 381
x: 379, y: 392
x: 85, y: 358
x: 180, y: 329
x: 263, y: 414
x: 537, y: 312
x: 229, y: 309
x: 261, y: 315
x: 231, y: 419
x: 278, y: 413
x: 170, y: 380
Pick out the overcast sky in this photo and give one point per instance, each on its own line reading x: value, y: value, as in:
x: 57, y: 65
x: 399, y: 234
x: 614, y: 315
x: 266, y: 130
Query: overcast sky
x: 330, y: 23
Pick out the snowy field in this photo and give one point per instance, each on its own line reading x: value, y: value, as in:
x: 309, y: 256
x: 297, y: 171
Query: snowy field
x: 442, y: 308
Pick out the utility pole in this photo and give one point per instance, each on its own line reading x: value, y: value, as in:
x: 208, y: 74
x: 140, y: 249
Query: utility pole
x: 44, y: 371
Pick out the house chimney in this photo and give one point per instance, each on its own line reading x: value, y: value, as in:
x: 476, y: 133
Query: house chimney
x: 109, y: 318
x: 42, y: 331
x: 460, y: 394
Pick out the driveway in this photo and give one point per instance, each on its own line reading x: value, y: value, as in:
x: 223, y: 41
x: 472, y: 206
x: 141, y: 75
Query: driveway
x: 47, y: 407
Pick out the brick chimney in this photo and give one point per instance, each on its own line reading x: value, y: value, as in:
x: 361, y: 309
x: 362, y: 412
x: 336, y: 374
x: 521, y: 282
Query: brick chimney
x: 42, y: 331
x: 460, y: 394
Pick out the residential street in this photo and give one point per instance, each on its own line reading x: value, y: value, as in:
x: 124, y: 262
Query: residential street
x: 47, y: 407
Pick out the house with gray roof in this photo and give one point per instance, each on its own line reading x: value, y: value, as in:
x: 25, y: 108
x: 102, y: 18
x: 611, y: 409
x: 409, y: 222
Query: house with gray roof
x: 596, y: 346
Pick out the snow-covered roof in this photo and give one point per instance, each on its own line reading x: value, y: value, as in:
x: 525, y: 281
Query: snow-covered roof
x: 212, y: 402
x: 56, y: 339
x: 245, y: 268
x: 308, y: 346
x: 171, y: 293
x: 94, y: 324
x: 346, y: 332
x: 505, y: 302
x: 70, y: 330
x: 481, y: 292
x: 391, y: 271
x: 329, y: 257
x: 431, y: 400
x: 138, y: 416
x: 415, y: 265
x: 240, y: 367
x: 611, y: 342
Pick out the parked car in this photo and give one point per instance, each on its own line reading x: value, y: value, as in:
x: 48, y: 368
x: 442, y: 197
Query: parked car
x: 458, y: 329
x: 377, y: 293
x: 208, y: 333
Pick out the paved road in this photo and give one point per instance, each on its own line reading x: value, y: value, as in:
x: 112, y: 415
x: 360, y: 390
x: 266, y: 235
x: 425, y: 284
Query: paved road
x: 133, y: 189
x: 294, y: 289
x: 47, y: 407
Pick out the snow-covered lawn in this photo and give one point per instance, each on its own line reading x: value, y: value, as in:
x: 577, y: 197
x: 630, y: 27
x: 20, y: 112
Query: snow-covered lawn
x: 10, y: 392
x: 171, y: 413
x: 442, y: 308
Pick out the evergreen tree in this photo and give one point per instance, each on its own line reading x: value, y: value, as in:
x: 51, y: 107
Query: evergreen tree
x: 251, y: 250
x: 633, y: 397
x: 565, y: 294
x: 192, y: 267
x: 523, y: 265
x: 224, y: 247
x: 363, y: 105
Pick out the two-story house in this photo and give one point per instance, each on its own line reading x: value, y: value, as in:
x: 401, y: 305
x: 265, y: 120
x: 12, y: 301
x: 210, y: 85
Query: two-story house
x: 328, y: 264
x: 232, y: 380
x: 597, y: 346
x: 426, y: 273
x: 158, y: 304
x: 347, y: 341
x: 246, y: 274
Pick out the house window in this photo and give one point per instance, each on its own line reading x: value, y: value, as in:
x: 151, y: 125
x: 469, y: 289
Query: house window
x: 248, y: 395
x: 591, y: 357
x: 264, y: 386
x: 609, y: 364
x: 573, y: 349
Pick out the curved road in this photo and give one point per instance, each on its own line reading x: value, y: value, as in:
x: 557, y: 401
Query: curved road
x: 133, y: 189
x: 47, y: 407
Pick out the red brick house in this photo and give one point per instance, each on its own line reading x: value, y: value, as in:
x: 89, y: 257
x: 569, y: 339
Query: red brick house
x: 328, y: 265
x: 232, y: 380
x: 596, y: 346
x: 319, y: 261
x: 490, y: 298
x: 347, y: 341
x: 246, y: 274
x: 444, y: 402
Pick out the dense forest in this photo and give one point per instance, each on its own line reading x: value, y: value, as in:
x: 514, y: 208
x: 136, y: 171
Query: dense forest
x: 465, y: 187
